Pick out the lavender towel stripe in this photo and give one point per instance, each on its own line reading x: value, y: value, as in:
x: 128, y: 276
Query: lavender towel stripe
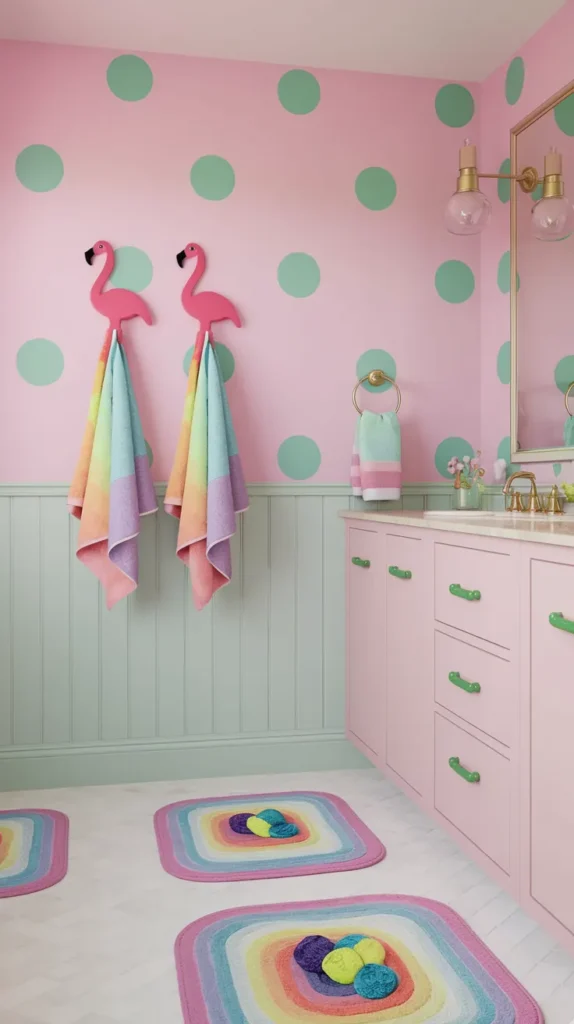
x: 147, y: 501
x: 220, y: 523
x: 130, y: 497
x: 238, y: 488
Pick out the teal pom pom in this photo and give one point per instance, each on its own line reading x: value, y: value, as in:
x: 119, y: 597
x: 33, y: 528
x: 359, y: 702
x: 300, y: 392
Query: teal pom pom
x: 284, y: 830
x: 272, y: 817
x: 375, y: 981
x: 349, y: 940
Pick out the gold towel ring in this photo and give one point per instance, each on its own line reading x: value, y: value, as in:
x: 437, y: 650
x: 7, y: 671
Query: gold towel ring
x: 376, y: 378
x: 568, y: 390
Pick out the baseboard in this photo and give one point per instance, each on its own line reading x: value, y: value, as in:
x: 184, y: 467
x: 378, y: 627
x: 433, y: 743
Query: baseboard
x: 106, y: 763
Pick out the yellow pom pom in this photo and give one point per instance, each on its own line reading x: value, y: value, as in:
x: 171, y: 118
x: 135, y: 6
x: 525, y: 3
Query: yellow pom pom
x: 258, y: 826
x: 342, y: 965
x: 371, y: 951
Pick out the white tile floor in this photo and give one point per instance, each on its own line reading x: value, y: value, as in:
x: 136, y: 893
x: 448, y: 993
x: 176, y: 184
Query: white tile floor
x: 97, y: 948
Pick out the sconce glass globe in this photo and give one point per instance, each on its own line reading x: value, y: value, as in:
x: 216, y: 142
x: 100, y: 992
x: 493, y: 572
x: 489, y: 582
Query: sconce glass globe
x: 552, y: 218
x: 467, y: 213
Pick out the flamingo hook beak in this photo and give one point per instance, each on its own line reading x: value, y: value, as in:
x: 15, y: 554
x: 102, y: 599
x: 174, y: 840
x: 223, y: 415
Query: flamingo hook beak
x: 181, y: 258
x: 89, y: 255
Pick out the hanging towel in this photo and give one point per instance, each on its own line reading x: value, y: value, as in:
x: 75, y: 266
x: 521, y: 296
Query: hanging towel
x: 569, y: 432
x: 112, y: 485
x: 376, y: 458
x: 206, y: 487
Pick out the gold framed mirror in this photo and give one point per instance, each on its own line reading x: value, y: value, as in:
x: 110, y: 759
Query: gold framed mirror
x: 542, y: 283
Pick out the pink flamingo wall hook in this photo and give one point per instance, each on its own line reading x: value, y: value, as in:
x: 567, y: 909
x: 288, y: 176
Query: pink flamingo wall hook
x: 206, y: 307
x: 116, y: 303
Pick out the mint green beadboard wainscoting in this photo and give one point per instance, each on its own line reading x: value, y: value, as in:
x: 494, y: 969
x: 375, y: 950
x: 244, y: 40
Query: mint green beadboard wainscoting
x: 154, y: 689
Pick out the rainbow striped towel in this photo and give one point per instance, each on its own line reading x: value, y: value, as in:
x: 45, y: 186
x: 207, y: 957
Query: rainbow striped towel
x: 376, y: 458
x: 112, y: 485
x: 206, y: 487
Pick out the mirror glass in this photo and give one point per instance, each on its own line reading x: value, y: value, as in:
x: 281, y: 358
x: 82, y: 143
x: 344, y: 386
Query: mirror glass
x: 543, y: 300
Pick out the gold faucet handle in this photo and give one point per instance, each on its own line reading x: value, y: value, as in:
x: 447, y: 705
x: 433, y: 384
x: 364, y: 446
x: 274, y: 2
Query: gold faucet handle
x: 534, y: 503
x: 554, y: 507
x: 515, y: 501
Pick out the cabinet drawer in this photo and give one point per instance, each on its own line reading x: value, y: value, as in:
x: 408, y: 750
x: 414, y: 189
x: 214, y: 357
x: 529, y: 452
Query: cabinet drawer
x: 475, y: 685
x: 479, y: 809
x: 474, y: 592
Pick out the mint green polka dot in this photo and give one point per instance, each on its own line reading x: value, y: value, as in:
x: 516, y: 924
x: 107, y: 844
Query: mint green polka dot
x: 375, y: 188
x: 454, y: 105
x: 514, y: 80
x: 149, y: 451
x: 299, y: 457
x: 557, y: 467
x: 39, y: 168
x: 503, y: 363
x: 504, y: 183
x: 376, y: 359
x: 129, y: 77
x: 40, y: 361
x: 537, y: 194
x: 503, y: 275
x: 225, y: 357
x: 447, y: 450
x: 298, y: 274
x: 454, y: 281
x: 133, y: 269
x: 299, y: 91
x: 564, y: 373
x: 212, y: 177
x: 564, y: 115
x: 504, y: 453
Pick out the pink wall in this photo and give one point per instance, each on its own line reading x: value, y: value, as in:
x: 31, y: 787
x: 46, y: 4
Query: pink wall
x: 548, y: 66
x: 127, y: 178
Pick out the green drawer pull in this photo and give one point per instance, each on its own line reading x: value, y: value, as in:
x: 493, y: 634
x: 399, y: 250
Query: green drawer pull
x: 456, y: 766
x: 363, y: 563
x: 557, y: 620
x: 456, y: 678
x: 401, y: 574
x: 468, y: 595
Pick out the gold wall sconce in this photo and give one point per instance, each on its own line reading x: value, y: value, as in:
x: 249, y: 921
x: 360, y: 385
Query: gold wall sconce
x: 468, y: 210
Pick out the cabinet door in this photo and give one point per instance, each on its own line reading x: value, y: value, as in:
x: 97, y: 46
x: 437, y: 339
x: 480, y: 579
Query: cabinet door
x: 408, y: 660
x: 552, y: 740
x: 365, y: 659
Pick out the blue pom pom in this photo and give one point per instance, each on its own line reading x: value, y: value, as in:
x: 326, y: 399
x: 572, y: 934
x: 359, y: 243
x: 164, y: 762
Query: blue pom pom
x: 311, y: 951
x: 375, y: 981
x: 349, y: 940
x: 272, y: 817
x: 283, y: 831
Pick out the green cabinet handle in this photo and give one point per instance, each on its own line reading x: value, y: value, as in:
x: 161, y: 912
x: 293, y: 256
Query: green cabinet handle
x: 557, y: 620
x: 468, y: 595
x: 456, y: 678
x: 456, y: 766
x: 401, y: 574
x: 363, y: 563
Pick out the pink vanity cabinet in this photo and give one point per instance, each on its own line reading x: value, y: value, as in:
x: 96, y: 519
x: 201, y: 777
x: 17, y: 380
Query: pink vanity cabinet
x: 460, y: 687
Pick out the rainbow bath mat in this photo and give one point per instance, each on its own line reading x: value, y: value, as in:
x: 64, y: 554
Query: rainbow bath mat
x: 196, y: 842
x: 237, y: 967
x: 33, y: 850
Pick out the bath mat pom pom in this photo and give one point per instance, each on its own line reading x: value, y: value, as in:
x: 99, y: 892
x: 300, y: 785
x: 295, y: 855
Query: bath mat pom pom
x: 371, y: 951
x: 272, y: 816
x: 342, y: 965
x: 258, y: 826
x: 375, y: 981
x: 311, y: 951
x: 238, y: 823
x: 285, y: 830
x: 349, y: 940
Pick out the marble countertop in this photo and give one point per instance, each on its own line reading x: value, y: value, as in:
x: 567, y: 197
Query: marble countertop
x: 538, y: 529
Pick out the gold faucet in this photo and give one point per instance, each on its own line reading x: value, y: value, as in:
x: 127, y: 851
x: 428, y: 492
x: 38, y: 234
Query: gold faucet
x: 516, y: 505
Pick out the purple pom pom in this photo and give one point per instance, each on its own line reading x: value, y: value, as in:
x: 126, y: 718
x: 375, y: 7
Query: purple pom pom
x: 311, y: 952
x: 237, y: 823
